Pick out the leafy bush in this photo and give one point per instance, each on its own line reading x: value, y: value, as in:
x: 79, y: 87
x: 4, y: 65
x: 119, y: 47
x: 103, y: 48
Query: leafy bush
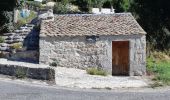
x: 2, y: 40
x: 35, y: 4
x: 60, y: 8
x: 6, y: 25
x: 20, y: 73
x: 96, y: 71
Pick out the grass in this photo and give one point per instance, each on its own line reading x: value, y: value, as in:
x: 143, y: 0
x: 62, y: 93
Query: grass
x: 96, y: 71
x: 161, y: 69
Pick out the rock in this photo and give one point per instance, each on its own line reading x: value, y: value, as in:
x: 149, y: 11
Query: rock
x: 9, y: 41
x: 22, y: 30
x: 4, y: 45
x: 47, y: 16
x: 17, y: 31
x: 17, y: 36
x: 4, y: 55
x: 18, y: 40
x: 30, y: 25
x: 26, y: 55
x: 4, y: 48
x: 8, y: 34
x: 23, y: 27
x: 10, y: 37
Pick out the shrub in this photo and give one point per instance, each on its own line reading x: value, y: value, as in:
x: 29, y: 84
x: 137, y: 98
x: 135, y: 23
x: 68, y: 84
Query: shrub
x: 96, y: 71
x: 17, y: 46
x: 2, y: 40
x: 60, y: 8
x: 20, y: 73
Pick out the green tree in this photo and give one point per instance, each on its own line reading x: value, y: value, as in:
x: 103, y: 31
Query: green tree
x: 6, y: 15
x: 154, y: 17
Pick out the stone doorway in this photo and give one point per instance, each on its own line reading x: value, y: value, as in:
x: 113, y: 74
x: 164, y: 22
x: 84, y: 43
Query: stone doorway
x: 120, y: 58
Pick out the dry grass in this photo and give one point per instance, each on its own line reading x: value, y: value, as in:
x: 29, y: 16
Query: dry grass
x: 96, y: 71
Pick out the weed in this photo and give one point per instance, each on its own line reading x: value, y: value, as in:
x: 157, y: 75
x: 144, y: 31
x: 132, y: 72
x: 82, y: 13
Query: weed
x: 96, y: 71
x: 156, y: 84
x: 17, y: 46
x: 20, y: 73
x: 160, y: 67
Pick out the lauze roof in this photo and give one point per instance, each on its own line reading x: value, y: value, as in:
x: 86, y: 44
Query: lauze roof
x: 91, y: 24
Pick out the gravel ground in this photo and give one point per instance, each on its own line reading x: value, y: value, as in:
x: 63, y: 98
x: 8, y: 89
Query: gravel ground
x: 71, y: 77
x: 77, y: 78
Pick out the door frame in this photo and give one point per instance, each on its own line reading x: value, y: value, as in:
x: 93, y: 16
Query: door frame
x: 129, y: 68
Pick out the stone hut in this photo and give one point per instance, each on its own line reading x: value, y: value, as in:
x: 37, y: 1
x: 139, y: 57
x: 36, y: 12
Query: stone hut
x: 113, y: 42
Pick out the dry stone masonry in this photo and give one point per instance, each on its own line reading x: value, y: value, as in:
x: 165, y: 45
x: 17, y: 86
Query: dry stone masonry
x: 76, y: 52
x: 25, y: 39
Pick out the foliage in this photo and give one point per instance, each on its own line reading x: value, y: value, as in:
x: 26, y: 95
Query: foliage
x: 6, y: 24
x: 7, y: 5
x: 96, y: 71
x: 17, y: 46
x: 154, y: 17
x: 20, y: 73
x: 119, y: 5
x: 26, y: 20
x: 2, y: 40
x: 160, y: 67
x: 60, y: 8
x: 34, y: 4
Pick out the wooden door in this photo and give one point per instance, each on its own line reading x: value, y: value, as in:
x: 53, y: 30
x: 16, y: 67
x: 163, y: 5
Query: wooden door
x: 120, y: 58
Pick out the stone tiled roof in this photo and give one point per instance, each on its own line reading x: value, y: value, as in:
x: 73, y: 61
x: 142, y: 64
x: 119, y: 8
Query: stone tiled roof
x: 90, y: 24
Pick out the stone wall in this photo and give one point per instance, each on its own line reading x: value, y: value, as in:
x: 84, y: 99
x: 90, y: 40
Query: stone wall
x: 27, y: 70
x: 21, y: 45
x: 77, y: 52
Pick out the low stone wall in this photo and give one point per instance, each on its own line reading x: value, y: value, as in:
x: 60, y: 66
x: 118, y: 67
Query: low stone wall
x: 41, y: 73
